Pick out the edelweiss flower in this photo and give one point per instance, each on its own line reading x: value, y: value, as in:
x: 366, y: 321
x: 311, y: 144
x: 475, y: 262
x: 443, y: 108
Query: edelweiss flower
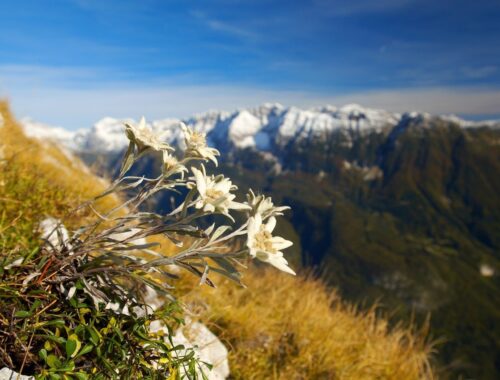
x: 264, y: 206
x: 171, y: 165
x: 196, y: 145
x: 215, y: 193
x: 144, y: 137
x: 266, y: 247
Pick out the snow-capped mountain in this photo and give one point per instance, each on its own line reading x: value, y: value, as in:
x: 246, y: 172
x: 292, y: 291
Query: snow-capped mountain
x: 43, y: 131
x: 261, y: 128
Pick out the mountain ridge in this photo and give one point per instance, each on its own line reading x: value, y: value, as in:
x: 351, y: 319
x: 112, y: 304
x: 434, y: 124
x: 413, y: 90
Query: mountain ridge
x: 260, y: 128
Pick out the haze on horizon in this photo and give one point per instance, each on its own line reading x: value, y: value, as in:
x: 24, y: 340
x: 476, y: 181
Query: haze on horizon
x: 71, y: 62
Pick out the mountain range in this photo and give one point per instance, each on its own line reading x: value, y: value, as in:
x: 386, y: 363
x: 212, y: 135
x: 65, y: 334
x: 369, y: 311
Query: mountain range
x: 397, y: 209
x: 263, y: 128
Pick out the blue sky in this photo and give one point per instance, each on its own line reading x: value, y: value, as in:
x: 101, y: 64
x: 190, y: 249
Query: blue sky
x: 70, y: 62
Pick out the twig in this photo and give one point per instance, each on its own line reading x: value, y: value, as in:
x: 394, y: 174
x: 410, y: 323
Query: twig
x: 45, y: 308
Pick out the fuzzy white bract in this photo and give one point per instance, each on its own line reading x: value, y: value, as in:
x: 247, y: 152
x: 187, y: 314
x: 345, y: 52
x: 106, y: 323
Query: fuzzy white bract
x: 171, y: 165
x: 196, y: 145
x: 264, y: 206
x: 144, y: 137
x: 264, y: 246
x: 215, y: 193
x: 127, y: 234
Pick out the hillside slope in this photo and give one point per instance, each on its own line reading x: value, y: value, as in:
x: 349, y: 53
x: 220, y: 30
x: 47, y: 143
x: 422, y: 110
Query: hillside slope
x: 278, y: 328
x: 402, y: 209
x: 408, y: 216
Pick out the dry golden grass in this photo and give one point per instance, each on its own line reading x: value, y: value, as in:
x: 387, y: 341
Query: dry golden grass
x: 285, y: 327
x: 64, y: 172
x: 39, y: 181
x: 280, y: 327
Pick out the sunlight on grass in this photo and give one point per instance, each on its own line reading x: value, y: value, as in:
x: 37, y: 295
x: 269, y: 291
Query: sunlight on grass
x: 280, y: 327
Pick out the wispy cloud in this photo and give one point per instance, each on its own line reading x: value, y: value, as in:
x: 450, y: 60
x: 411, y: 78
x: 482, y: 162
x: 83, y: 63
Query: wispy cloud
x: 24, y: 76
x: 46, y: 96
x: 436, y: 100
x: 479, y: 72
x: 224, y: 26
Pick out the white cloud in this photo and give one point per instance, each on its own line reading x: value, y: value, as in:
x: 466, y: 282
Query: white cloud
x: 436, y: 100
x: 74, y: 98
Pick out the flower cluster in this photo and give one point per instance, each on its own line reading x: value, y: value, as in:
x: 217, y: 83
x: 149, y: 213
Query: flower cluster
x: 196, y: 145
x: 111, y: 255
x: 212, y: 194
x: 264, y: 246
x: 144, y: 138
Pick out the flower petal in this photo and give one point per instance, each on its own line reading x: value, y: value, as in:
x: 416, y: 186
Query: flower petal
x: 200, y: 181
x: 142, y: 123
x: 271, y: 223
x: 279, y: 243
x: 239, y: 206
x: 253, y: 228
x: 280, y: 263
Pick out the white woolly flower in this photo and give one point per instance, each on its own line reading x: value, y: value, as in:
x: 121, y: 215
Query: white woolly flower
x: 171, y: 165
x: 144, y: 137
x: 264, y: 246
x: 215, y: 193
x: 264, y: 206
x: 196, y: 145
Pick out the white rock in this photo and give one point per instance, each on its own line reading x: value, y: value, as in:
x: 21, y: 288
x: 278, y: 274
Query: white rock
x: 8, y: 374
x: 153, y: 301
x: 54, y: 232
x: 208, y: 348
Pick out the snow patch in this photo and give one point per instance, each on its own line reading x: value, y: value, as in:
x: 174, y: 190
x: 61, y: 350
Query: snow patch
x: 46, y: 132
x: 259, y: 128
x: 243, y: 129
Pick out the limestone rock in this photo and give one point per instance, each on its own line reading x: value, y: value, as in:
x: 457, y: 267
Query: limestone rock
x: 207, y: 347
x: 54, y: 232
x: 8, y: 374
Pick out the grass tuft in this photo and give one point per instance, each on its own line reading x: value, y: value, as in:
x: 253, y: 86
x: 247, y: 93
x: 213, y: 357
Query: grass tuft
x: 281, y: 327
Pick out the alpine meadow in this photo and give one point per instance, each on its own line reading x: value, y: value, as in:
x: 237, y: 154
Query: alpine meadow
x: 249, y: 190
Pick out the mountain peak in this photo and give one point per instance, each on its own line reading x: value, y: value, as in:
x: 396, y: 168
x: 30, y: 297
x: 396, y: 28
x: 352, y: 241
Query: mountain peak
x: 352, y: 108
x: 258, y: 128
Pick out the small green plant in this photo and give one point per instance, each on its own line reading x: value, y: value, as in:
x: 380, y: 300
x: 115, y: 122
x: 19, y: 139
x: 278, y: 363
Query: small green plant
x: 78, y: 306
